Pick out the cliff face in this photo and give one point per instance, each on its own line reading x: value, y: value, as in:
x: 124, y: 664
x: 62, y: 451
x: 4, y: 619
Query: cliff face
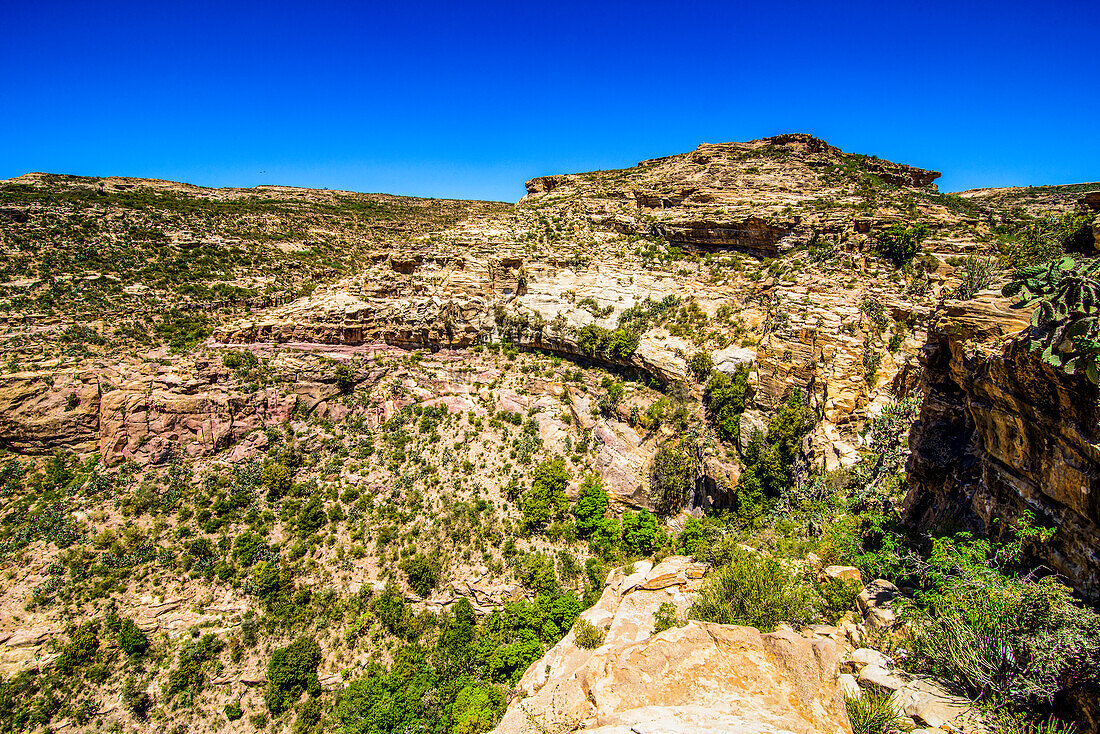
x: 1001, y: 434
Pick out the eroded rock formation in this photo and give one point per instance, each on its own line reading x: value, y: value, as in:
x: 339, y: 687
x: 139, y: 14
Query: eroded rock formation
x: 1000, y: 434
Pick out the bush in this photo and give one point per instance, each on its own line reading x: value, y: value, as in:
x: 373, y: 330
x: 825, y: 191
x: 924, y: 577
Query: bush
x: 188, y: 678
x: 587, y: 635
x: 670, y: 479
x: 591, y: 505
x: 345, y: 379
x: 546, y: 498
x: 768, y: 459
x: 725, y: 397
x: 233, y: 710
x: 837, y: 597
x: 978, y: 274
x: 755, y: 590
x: 312, y: 516
x: 665, y: 618
x: 639, y: 533
x: 292, y: 671
x: 422, y: 572
x: 899, y: 244
x: 395, y: 614
x: 874, y: 712
x: 136, y: 699
x: 80, y: 651
x: 1039, y: 242
x: 617, y: 345
x: 701, y: 365
x: 131, y: 638
x: 1003, y: 638
x: 277, y: 479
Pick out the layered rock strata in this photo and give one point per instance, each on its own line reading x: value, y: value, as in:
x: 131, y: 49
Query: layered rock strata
x: 1000, y: 434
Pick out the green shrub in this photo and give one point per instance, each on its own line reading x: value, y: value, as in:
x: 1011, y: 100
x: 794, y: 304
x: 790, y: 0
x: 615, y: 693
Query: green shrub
x: 233, y: 710
x: 591, y: 505
x: 899, y: 244
x: 640, y: 533
x: 131, y: 638
x: 701, y: 365
x: 670, y: 478
x: 978, y: 273
x: 345, y: 379
x: 390, y: 701
x: 666, y: 617
x: 874, y: 712
x: 546, y: 498
x: 80, y: 651
x: 755, y: 590
x: 587, y: 635
x: 393, y: 611
x: 617, y: 345
x: 277, y: 479
x: 422, y: 572
x: 837, y: 597
x: 292, y: 671
x: 1038, y: 242
x: 725, y: 397
x: 312, y: 517
x: 768, y: 459
x: 188, y: 678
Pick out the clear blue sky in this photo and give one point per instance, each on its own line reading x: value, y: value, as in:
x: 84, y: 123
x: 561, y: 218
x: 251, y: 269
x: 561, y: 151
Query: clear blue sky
x: 470, y: 99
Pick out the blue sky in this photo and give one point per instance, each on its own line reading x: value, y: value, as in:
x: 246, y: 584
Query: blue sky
x: 470, y: 100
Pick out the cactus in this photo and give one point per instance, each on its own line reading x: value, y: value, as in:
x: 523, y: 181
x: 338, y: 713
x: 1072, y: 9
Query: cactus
x: 1066, y: 321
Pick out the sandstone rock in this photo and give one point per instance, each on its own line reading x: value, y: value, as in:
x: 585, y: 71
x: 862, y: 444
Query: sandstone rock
x: 880, y: 677
x: 1001, y: 434
x: 699, y: 677
x: 931, y: 703
x: 842, y: 573
x: 736, y: 676
x: 876, y: 602
x: 849, y: 687
x: 866, y: 656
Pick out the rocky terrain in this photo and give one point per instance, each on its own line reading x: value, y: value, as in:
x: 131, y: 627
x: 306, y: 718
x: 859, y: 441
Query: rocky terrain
x: 325, y: 451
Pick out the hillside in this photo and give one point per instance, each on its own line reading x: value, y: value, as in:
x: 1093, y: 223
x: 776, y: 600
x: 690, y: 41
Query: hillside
x: 281, y: 459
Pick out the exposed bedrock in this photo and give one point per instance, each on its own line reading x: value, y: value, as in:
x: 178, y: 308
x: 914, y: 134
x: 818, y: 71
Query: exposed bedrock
x: 999, y: 434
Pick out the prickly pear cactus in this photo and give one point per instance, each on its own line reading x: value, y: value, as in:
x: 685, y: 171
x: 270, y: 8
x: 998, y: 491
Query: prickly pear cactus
x: 1066, y: 321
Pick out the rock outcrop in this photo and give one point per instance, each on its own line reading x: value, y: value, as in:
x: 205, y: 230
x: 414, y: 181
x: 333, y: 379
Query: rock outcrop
x: 696, y: 677
x: 1000, y: 434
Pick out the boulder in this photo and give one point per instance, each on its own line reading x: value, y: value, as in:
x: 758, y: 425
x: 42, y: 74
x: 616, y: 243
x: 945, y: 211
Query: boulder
x: 876, y: 601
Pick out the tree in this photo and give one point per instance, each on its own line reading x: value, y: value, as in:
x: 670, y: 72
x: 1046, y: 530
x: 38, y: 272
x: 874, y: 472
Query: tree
x: 591, y: 505
x: 131, y: 638
x: 725, y: 396
x: 701, y: 365
x: 277, y: 479
x: 345, y: 379
x: 312, y: 517
x: 639, y: 532
x: 899, y: 244
x: 292, y: 671
x: 546, y: 498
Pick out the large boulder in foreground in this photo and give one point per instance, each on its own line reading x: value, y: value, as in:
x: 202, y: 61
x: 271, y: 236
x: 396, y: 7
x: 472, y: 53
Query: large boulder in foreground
x: 698, y: 677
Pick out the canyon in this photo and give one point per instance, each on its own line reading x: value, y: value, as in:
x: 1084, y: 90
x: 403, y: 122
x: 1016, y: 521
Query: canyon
x: 416, y: 367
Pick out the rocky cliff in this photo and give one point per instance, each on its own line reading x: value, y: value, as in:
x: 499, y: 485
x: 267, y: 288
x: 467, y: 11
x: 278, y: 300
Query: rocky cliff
x: 1000, y: 434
